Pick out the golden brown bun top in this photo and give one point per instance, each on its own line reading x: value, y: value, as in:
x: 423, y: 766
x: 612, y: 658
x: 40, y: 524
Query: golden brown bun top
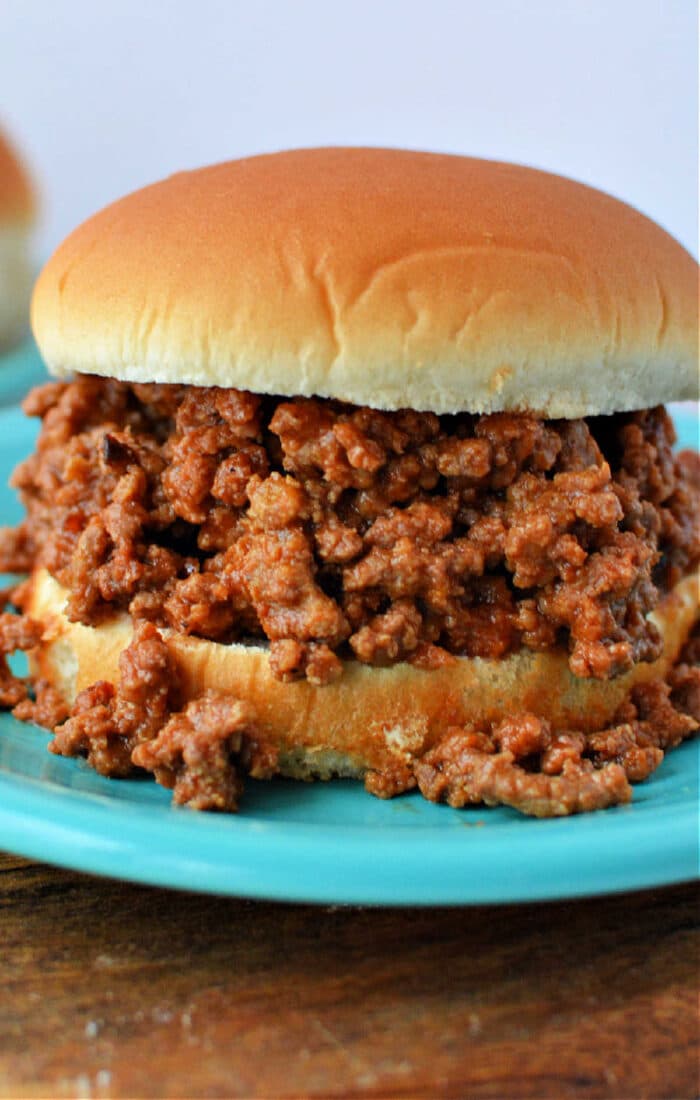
x: 382, y: 277
x: 16, y: 194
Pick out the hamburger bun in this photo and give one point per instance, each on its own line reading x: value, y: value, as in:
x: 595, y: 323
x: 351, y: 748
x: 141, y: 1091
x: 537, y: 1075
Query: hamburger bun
x: 16, y: 219
x: 381, y: 277
x: 370, y: 718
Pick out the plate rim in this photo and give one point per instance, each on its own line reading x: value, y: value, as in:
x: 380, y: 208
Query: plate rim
x: 254, y: 858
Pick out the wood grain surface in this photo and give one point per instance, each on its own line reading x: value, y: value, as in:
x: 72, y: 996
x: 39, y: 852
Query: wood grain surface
x: 115, y: 990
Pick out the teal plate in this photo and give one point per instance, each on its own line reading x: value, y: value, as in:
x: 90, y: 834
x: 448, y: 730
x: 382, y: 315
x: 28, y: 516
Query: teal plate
x: 332, y: 842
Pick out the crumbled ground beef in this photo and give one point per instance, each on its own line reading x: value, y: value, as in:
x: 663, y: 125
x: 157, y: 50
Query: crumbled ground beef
x: 108, y: 722
x: 16, y: 632
x: 45, y: 707
x: 204, y: 750
x: 336, y: 531
x: 522, y: 762
x: 461, y: 775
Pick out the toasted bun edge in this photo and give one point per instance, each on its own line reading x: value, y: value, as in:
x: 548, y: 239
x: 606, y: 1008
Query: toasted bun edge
x: 371, y: 718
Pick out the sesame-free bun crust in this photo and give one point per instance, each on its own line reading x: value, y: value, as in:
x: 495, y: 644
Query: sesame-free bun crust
x: 381, y: 277
x: 371, y: 718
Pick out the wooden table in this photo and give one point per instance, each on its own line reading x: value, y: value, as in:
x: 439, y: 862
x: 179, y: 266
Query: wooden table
x: 114, y: 990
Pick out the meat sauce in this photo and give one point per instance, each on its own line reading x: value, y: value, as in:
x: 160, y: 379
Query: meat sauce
x: 337, y: 532
x: 340, y: 532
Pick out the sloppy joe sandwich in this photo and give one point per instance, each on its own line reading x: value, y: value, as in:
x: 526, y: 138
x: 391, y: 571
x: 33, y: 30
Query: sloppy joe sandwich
x: 357, y: 464
x: 16, y: 219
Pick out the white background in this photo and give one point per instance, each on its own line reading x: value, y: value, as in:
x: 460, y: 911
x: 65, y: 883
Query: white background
x: 106, y: 96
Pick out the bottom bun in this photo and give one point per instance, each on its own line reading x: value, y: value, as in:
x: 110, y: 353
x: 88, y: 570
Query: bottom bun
x: 370, y: 719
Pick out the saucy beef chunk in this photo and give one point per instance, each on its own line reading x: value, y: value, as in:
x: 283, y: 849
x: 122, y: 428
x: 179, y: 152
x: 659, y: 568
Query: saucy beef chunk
x: 108, y: 722
x: 17, y: 632
x: 335, y: 531
x: 203, y: 752
x: 522, y: 762
x: 462, y: 773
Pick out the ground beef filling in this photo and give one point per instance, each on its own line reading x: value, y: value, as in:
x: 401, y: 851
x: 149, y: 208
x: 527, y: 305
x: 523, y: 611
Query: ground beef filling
x: 203, y: 750
x: 340, y: 532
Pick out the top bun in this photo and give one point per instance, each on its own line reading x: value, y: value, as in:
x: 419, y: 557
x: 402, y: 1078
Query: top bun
x: 381, y: 277
x: 16, y: 194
